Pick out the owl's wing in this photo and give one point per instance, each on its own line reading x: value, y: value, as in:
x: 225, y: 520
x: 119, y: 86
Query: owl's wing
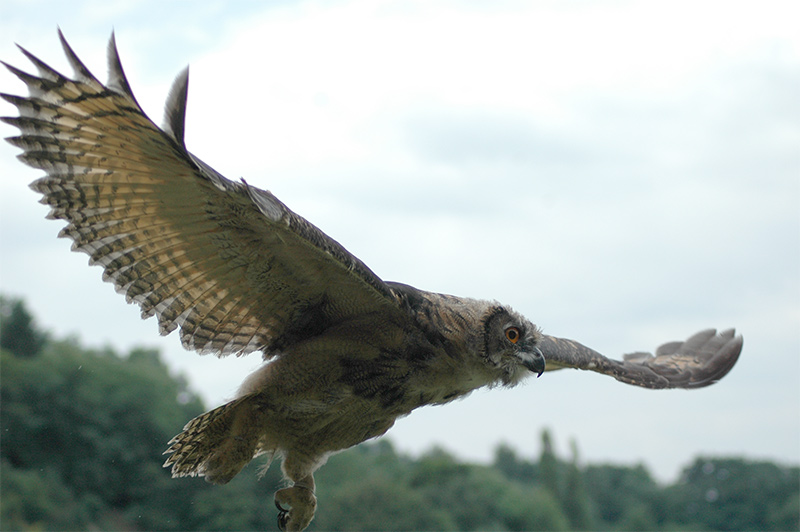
x: 701, y: 360
x: 227, y: 263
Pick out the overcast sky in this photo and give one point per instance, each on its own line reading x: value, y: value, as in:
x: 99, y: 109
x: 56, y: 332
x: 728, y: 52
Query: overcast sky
x: 623, y: 174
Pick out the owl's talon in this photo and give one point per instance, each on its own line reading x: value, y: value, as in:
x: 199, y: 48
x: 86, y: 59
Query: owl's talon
x: 283, y: 517
x: 302, y: 504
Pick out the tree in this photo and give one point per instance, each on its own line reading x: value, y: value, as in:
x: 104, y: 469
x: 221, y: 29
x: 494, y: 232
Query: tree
x: 576, y: 503
x: 377, y: 503
x: 621, y: 494
x: 83, y: 431
x: 18, y: 333
x: 549, y: 468
x: 639, y: 517
x: 523, y: 471
x: 531, y: 508
x: 38, y: 499
x: 483, y: 498
x: 735, y: 494
x: 95, y: 422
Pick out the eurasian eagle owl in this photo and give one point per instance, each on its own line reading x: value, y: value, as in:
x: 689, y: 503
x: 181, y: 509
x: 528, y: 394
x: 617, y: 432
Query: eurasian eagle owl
x: 235, y: 271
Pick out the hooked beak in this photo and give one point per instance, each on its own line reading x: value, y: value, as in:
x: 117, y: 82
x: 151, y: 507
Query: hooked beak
x: 533, y: 360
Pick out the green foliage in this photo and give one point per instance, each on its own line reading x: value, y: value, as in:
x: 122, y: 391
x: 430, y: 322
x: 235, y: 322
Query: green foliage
x: 513, y: 467
x: 736, y: 494
x: 576, y: 501
x: 623, y: 497
x: 377, y: 503
x: 93, y: 422
x: 18, y: 333
x: 83, y: 431
x: 367, y: 489
x: 38, y: 499
x: 549, y: 467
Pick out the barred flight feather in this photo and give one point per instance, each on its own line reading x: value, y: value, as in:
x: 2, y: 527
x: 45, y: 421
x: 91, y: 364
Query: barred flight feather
x: 227, y: 264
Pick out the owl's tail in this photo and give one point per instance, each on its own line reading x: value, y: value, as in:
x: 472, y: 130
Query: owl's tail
x: 219, y: 443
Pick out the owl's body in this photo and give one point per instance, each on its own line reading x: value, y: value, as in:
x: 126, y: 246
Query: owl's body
x: 330, y: 392
x: 235, y: 271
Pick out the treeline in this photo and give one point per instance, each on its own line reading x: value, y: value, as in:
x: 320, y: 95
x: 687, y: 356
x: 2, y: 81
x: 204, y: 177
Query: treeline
x: 82, y: 432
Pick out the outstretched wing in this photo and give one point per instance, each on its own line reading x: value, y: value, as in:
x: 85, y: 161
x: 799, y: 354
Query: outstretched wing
x: 701, y: 360
x: 227, y: 263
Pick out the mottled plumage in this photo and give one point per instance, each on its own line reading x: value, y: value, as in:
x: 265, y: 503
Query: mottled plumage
x: 234, y: 271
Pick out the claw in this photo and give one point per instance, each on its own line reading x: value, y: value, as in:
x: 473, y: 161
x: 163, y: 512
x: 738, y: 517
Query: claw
x: 301, y: 503
x: 283, y: 516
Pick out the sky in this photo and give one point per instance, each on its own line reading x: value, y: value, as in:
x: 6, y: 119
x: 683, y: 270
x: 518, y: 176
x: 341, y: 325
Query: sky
x: 622, y: 173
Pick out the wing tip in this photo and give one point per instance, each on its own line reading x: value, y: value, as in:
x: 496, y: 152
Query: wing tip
x: 721, y: 351
x: 79, y: 69
x: 175, y: 108
x: 117, y: 80
x: 699, y: 361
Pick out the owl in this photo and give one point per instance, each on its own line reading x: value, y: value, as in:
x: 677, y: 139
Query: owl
x: 234, y: 270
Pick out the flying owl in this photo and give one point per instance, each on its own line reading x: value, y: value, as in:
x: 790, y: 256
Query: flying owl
x: 235, y: 271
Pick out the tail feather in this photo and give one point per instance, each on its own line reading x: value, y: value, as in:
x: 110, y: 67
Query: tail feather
x: 219, y: 443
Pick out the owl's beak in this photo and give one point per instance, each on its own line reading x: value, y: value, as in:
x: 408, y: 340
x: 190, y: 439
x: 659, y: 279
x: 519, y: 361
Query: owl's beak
x: 533, y: 360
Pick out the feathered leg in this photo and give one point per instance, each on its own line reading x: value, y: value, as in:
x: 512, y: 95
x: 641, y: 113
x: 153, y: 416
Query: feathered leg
x: 296, y: 504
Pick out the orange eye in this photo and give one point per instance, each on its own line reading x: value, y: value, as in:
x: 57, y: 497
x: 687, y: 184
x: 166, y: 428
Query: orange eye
x: 513, y: 334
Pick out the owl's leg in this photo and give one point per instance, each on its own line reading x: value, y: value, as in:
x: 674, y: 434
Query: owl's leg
x: 301, y: 502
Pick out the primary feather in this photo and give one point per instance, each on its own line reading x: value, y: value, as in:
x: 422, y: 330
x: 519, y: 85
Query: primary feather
x: 229, y: 265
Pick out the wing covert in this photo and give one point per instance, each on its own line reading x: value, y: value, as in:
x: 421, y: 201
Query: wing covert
x: 699, y: 361
x: 228, y: 264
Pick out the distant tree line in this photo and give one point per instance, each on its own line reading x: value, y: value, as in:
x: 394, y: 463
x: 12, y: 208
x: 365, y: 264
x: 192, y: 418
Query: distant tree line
x: 82, y: 433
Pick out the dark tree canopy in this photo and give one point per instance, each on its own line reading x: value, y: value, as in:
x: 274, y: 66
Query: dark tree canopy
x: 83, y: 431
x: 18, y: 332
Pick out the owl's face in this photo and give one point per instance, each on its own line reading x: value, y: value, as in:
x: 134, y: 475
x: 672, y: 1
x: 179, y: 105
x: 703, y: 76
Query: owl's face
x: 511, y: 345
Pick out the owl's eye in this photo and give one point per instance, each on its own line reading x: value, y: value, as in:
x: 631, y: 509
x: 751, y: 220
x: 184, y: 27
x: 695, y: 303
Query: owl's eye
x: 513, y: 335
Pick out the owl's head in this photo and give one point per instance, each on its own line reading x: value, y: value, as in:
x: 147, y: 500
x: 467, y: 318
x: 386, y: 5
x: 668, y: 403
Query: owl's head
x: 510, y: 345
